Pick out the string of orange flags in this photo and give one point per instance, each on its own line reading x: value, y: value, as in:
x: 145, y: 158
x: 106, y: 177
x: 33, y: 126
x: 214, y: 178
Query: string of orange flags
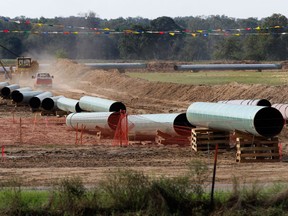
x: 38, y: 28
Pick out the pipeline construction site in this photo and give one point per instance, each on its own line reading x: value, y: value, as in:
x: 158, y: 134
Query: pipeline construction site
x: 94, y: 121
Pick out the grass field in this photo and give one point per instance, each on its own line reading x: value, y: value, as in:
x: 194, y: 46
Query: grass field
x: 216, y: 77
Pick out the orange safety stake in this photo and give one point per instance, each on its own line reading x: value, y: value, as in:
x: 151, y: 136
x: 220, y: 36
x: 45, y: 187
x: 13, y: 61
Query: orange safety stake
x: 121, y: 132
x: 280, y: 151
x: 35, y: 121
x: 76, y: 139
x: 81, y: 134
x: 46, y: 121
x: 13, y: 116
x: 3, y: 152
x: 20, y: 130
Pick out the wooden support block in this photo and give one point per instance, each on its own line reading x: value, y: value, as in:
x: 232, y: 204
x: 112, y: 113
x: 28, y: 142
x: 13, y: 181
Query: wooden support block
x: 257, y: 149
x: 203, y: 139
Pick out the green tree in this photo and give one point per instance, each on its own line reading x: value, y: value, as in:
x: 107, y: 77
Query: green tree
x: 163, y: 44
x: 275, y: 20
x: 277, y: 43
x: 14, y: 44
x: 229, y: 48
x: 135, y: 46
x: 194, y: 49
x: 254, y: 47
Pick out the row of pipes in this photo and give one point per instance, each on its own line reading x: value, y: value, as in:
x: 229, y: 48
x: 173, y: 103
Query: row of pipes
x: 194, y: 67
x: 257, y: 117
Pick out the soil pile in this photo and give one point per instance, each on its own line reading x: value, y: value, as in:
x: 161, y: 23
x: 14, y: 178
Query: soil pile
x: 119, y: 86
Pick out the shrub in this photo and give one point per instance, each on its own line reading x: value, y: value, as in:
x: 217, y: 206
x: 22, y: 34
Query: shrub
x: 126, y: 190
x: 71, y: 195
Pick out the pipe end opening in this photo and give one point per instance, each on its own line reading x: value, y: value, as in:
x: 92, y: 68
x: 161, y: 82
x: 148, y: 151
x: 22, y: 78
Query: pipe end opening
x: 182, y: 126
x: 117, y: 106
x: 268, y: 122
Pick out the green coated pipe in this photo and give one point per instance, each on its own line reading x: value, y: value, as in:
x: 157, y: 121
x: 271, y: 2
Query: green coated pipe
x: 103, y: 121
x: 253, y: 102
x: 256, y: 120
x: 175, y: 124
x: 95, y: 104
x: 68, y: 105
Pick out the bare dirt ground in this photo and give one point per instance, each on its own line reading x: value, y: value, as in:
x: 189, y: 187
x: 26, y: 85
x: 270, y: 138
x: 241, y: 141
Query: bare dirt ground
x: 44, y: 150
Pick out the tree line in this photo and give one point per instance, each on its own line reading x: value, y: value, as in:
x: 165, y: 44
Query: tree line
x: 271, y: 46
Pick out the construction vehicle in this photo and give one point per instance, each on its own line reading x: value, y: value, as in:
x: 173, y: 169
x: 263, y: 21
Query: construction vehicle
x: 43, y: 79
x: 25, y: 66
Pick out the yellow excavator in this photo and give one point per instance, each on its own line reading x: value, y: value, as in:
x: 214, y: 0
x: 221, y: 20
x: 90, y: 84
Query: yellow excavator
x: 25, y: 66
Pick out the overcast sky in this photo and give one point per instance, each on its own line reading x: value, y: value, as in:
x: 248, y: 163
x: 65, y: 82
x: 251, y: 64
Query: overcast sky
x: 151, y: 9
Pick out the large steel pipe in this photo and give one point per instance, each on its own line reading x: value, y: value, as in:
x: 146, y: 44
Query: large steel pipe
x: 199, y: 67
x: 16, y: 91
x: 253, y: 102
x: 68, y: 105
x: 25, y: 96
x: 283, y: 108
x: 95, y: 104
x: 103, y: 121
x: 116, y: 65
x: 50, y: 103
x: 35, y: 102
x: 256, y: 120
x: 3, y: 84
x: 175, y: 124
x: 6, y: 91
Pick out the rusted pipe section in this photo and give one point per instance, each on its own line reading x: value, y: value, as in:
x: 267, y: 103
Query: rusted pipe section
x: 283, y: 108
x: 174, y: 124
x: 199, y: 67
x: 50, y: 103
x: 68, y: 105
x: 6, y: 91
x: 105, y: 122
x: 255, y: 120
x: 95, y: 104
x: 253, y: 102
x: 25, y: 96
x: 35, y: 102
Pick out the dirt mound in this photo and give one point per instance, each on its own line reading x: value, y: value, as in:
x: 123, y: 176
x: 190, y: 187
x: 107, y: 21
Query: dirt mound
x: 284, y: 65
x: 119, y: 86
x: 161, y: 66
